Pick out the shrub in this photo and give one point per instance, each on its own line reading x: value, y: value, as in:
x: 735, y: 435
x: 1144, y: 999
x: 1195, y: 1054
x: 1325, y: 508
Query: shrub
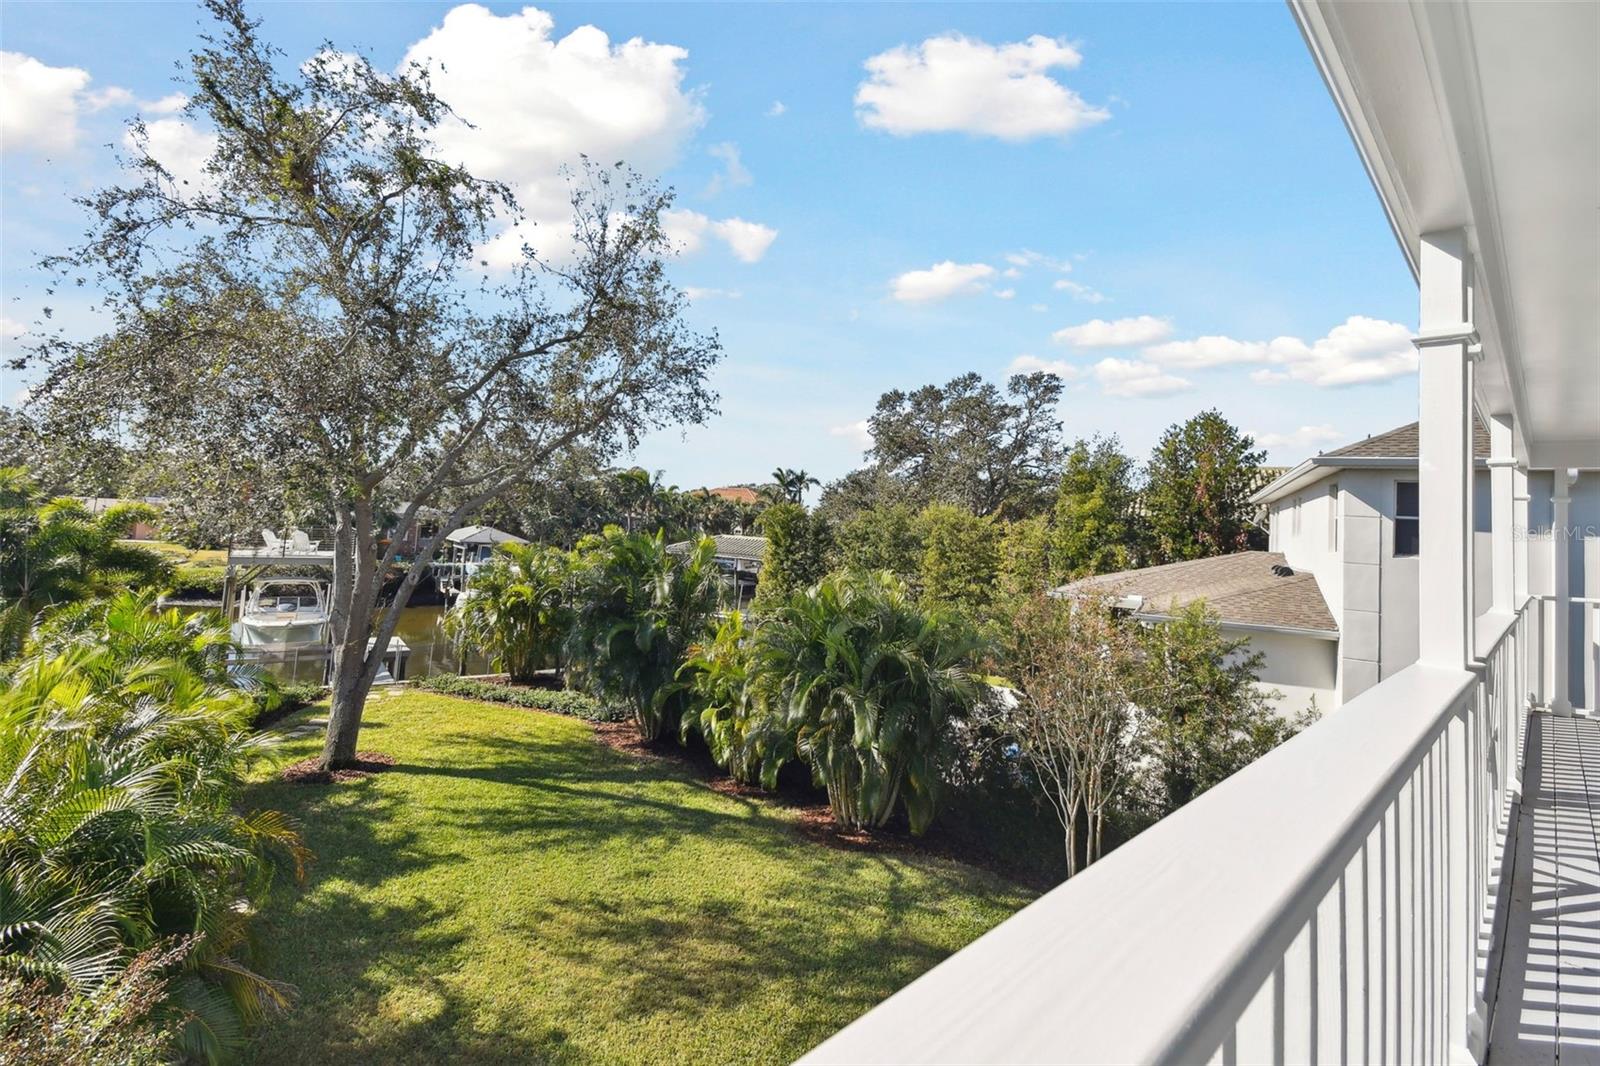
x: 867, y: 682
x: 124, y: 743
x: 638, y: 609
x: 520, y: 610
x: 120, y: 1023
x: 556, y: 701
x: 198, y: 578
x: 726, y: 709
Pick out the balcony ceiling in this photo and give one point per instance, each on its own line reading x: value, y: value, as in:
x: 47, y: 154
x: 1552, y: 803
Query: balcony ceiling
x: 1486, y: 116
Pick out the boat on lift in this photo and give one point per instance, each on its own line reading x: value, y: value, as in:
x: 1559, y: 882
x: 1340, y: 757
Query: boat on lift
x: 283, y: 612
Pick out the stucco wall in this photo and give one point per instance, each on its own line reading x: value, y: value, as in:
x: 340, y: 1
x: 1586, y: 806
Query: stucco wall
x: 1300, y: 669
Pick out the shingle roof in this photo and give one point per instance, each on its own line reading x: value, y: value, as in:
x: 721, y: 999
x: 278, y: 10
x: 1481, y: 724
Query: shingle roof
x: 1402, y: 444
x: 729, y: 546
x: 1245, y: 588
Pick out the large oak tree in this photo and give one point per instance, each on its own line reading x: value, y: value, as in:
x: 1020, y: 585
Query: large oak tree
x: 310, y: 320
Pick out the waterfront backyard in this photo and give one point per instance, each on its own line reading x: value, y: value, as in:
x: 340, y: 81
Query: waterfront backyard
x: 515, y: 890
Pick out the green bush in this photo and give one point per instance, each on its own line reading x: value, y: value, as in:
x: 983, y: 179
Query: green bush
x: 192, y: 577
x: 556, y: 701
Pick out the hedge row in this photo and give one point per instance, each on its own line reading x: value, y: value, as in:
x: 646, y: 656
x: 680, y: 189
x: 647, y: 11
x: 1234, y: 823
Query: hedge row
x: 558, y: 701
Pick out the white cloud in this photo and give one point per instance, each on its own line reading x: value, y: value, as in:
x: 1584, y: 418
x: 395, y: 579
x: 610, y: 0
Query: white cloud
x: 1358, y: 351
x: 1136, y: 379
x: 1116, y: 333
x: 528, y: 103
x: 180, y: 146
x: 776, y: 109
x: 941, y: 281
x: 734, y: 173
x: 1027, y: 257
x: 170, y: 104
x: 688, y: 230
x: 1005, y: 294
x: 695, y: 292
x: 40, y: 104
x: 1302, y: 439
x: 857, y: 433
x: 953, y: 83
x: 1079, y: 292
x: 1030, y: 364
x: 1039, y: 307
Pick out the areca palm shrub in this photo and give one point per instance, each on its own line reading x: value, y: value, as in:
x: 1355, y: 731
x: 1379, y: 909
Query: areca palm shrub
x: 54, y: 551
x: 520, y: 609
x: 727, y: 710
x: 868, y: 682
x: 119, y: 769
x: 638, y: 609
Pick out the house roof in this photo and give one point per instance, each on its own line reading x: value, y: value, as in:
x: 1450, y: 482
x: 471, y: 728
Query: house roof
x: 1257, y: 589
x: 1401, y: 443
x: 729, y: 546
x: 482, y: 535
x: 735, y: 493
x: 1395, y: 448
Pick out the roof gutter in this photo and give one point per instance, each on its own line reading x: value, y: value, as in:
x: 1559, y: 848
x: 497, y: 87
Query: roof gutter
x: 1317, y: 466
x: 1251, y: 627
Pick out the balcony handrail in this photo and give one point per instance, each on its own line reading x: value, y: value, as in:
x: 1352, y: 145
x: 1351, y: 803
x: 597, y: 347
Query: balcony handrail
x: 1158, y: 952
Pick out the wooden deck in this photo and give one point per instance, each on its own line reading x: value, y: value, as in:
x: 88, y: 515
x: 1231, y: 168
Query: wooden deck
x: 1549, y: 1005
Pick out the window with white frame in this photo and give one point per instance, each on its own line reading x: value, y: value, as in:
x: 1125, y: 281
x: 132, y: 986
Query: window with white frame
x: 1407, y: 519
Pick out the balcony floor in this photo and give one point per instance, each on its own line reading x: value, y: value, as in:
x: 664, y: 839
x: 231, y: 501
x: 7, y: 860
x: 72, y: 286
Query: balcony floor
x: 1549, y: 1004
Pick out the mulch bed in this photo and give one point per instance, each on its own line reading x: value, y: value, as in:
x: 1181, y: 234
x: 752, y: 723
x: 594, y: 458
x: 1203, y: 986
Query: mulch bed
x: 307, y: 772
x: 813, y: 820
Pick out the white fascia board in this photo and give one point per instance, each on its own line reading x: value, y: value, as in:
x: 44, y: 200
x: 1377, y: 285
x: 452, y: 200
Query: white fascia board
x: 1250, y: 627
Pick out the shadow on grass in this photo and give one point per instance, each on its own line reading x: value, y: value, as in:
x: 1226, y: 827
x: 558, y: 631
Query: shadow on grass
x: 648, y: 953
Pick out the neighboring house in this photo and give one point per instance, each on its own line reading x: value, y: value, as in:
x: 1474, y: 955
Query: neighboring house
x: 1332, y: 605
x: 1255, y: 595
x: 739, y: 558
x: 736, y: 494
x: 1350, y: 517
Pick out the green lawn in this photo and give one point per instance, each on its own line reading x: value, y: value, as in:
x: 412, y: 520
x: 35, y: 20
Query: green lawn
x: 515, y: 891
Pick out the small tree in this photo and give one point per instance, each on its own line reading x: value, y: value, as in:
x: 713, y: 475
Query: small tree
x: 638, y: 610
x: 1026, y: 568
x: 54, y: 552
x: 1203, y: 715
x: 1198, y: 486
x: 960, y: 559
x: 867, y: 683
x: 1074, y: 664
x: 792, y: 484
x: 882, y: 538
x: 726, y: 706
x: 312, y: 318
x: 520, y: 610
x: 1094, y: 530
x: 799, y: 545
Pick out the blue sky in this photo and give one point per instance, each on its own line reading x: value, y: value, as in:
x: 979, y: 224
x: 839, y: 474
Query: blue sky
x: 1159, y: 201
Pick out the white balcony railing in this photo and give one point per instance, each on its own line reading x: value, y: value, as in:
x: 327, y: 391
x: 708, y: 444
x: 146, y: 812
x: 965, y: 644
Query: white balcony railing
x: 1338, y: 900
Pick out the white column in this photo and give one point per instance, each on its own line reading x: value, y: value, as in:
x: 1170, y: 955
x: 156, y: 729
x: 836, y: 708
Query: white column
x: 1444, y: 454
x: 1561, y: 586
x: 1519, y: 526
x: 1502, y: 521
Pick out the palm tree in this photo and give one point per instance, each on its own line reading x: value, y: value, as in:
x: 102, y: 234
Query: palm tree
x: 867, y: 683
x: 637, y: 610
x: 725, y: 707
x: 54, y: 551
x: 120, y: 768
x: 520, y: 609
x: 792, y: 484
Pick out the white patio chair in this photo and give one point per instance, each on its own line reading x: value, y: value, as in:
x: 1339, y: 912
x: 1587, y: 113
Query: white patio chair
x: 302, y: 543
x: 270, y: 539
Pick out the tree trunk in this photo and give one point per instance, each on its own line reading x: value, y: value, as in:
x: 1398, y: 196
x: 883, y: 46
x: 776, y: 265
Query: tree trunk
x: 351, y: 621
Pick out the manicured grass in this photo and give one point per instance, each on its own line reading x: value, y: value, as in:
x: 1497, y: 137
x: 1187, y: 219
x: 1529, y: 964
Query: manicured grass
x: 514, y: 891
x: 180, y: 555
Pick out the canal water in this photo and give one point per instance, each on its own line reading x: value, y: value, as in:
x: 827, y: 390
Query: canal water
x: 422, y: 628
